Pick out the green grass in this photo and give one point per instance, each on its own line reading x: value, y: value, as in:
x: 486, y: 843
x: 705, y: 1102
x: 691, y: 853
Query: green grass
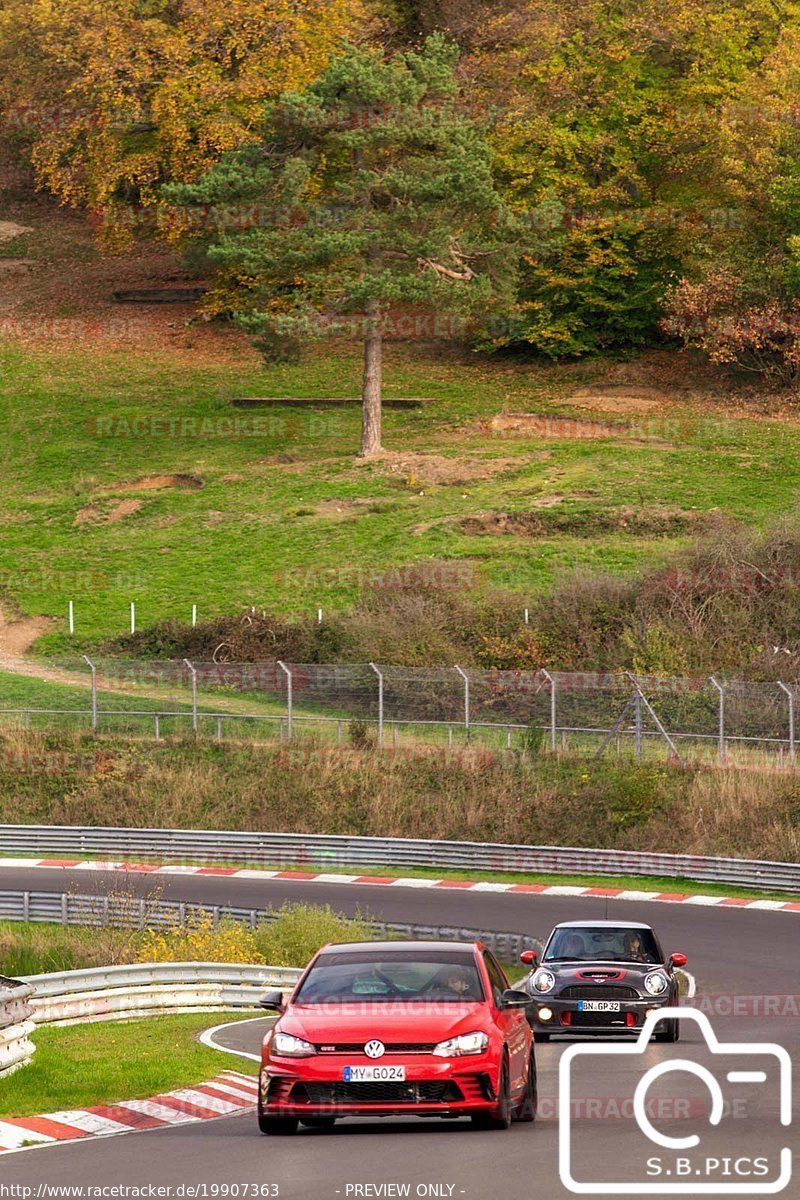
x: 234, y: 541
x: 106, y: 1062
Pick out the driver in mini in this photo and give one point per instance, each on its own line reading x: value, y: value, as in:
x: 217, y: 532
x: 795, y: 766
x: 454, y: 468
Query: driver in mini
x: 634, y: 948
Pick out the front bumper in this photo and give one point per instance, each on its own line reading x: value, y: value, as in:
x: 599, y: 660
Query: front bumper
x: 438, y: 1088
x: 567, y: 1017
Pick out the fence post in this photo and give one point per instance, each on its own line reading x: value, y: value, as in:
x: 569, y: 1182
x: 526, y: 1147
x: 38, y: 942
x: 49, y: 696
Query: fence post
x: 380, y: 704
x: 790, y: 698
x: 288, y: 675
x: 637, y: 706
x: 721, y: 738
x: 465, y: 677
x: 91, y: 667
x: 552, y: 683
x: 194, y: 693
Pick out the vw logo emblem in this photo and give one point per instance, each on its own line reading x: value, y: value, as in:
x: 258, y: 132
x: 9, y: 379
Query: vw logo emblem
x: 374, y: 1049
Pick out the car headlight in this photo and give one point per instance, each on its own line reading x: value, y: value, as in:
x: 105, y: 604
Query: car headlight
x: 544, y: 981
x: 291, y: 1047
x: 656, y: 983
x: 465, y: 1043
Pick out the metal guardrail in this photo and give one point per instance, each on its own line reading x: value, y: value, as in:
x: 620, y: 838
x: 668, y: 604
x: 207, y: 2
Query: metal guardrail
x: 321, y: 851
x: 136, y: 912
x: 146, y: 989
x: 16, y: 1025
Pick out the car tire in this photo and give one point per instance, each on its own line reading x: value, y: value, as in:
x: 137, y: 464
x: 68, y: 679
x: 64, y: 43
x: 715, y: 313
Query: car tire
x: 276, y: 1126
x: 501, y: 1117
x: 318, y: 1122
x: 541, y: 1037
x: 669, y: 1031
x: 526, y: 1108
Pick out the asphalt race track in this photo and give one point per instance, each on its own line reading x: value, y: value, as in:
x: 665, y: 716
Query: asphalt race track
x: 747, y: 968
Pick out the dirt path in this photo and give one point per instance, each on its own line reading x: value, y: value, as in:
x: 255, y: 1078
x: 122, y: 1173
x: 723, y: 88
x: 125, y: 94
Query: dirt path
x: 17, y: 637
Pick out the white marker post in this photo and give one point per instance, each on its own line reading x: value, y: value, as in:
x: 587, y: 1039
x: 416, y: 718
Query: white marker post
x: 133, y: 617
x: 71, y: 617
x: 194, y: 615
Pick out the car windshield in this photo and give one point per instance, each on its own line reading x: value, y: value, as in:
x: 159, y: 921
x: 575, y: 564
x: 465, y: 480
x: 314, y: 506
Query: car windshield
x: 392, y: 975
x: 589, y: 943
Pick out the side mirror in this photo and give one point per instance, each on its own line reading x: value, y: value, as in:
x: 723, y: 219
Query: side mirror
x: 678, y: 960
x: 513, y: 998
x: 529, y: 957
x: 272, y: 1000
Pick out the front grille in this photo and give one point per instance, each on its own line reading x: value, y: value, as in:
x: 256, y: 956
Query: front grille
x: 598, y: 991
x: 339, y: 1092
x: 391, y: 1047
x: 585, y: 1019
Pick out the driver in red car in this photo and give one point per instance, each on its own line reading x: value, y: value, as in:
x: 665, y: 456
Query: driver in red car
x: 454, y: 980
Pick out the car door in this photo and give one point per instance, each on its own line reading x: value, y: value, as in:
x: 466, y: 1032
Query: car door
x: 512, y: 1022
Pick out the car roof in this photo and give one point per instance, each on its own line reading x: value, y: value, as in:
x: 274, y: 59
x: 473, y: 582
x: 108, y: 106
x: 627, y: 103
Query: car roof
x: 602, y: 925
x: 410, y: 946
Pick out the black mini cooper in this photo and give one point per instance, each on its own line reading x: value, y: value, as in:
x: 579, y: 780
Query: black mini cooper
x: 601, y: 977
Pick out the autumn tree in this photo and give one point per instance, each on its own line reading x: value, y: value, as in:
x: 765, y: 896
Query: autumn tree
x: 614, y: 144
x: 112, y: 98
x: 367, y: 200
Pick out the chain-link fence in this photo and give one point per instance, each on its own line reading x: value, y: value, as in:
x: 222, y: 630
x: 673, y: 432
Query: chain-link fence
x: 372, y: 705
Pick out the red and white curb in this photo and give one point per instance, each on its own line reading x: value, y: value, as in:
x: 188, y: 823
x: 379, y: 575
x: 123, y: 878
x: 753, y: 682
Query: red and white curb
x: 228, y: 1094
x: 525, y: 889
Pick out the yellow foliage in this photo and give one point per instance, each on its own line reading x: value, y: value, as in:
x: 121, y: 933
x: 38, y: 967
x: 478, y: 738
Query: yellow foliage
x: 116, y: 97
x: 198, y: 939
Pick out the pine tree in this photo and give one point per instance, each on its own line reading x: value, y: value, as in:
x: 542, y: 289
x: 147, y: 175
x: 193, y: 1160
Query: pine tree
x: 366, y: 203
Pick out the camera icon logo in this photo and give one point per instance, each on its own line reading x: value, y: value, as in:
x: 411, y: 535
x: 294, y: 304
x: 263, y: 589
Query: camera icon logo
x: 678, y: 1171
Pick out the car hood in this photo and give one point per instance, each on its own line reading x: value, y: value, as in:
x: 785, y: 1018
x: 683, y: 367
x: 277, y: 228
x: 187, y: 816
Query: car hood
x: 626, y: 974
x: 388, y: 1022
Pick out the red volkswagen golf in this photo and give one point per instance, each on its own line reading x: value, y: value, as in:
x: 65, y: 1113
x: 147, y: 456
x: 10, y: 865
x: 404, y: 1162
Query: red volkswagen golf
x: 383, y: 1029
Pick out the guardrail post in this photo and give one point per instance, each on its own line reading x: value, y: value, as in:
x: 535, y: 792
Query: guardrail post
x: 288, y: 675
x: 92, y: 668
x: 380, y: 704
x: 721, y: 736
x: 790, y: 698
x: 552, y: 683
x: 193, y: 673
x: 465, y: 677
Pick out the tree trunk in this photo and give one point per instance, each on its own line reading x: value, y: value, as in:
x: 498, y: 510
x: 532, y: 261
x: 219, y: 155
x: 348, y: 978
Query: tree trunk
x: 371, y: 391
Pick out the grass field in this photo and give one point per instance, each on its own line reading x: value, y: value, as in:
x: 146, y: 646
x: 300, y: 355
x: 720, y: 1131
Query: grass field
x: 285, y: 516
x: 112, y: 1061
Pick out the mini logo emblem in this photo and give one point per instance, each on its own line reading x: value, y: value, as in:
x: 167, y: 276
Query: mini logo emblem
x: 374, y: 1049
